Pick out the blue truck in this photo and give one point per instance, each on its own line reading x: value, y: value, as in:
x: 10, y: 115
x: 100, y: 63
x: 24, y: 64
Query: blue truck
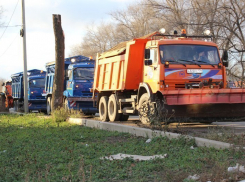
x: 79, y: 76
x: 36, y: 85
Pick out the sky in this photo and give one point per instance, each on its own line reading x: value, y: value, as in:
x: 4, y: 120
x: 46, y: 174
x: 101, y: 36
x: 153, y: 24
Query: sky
x: 76, y: 15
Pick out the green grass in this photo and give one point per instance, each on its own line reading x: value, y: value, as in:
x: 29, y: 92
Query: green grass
x: 36, y: 148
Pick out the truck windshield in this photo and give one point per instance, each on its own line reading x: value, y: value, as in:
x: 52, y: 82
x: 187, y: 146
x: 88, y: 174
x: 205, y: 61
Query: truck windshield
x: 83, y: 73
x: 189, y: 54
x: 37, y: 83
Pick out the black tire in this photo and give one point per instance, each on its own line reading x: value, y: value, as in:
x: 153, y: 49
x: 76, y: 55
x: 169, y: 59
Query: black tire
x: 113, y: 108
x: 103, y: 109
x: 16, y: 106
x: 66, y: 104
x: 144, y: 108
x: 48, y: 105
x: 123, y: 117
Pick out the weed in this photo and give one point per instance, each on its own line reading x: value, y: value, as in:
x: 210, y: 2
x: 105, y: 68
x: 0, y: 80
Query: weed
x: 60, y: 115
x: 226, y: 135
x: 75, y: 113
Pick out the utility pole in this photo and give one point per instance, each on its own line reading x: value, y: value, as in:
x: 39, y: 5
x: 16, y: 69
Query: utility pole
x: 58, y: 86
x: 23, y: 34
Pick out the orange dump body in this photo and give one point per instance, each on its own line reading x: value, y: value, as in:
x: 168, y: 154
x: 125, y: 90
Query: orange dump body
x: 121, y: 72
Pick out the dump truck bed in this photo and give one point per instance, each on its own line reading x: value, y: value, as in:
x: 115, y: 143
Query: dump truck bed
x: 122, y: 71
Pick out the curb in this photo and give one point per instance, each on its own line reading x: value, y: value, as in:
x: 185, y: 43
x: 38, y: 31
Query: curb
x: 144, y: 132
x: 4, y: 112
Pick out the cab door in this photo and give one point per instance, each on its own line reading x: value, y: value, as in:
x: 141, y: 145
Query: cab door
x: 151, y: 70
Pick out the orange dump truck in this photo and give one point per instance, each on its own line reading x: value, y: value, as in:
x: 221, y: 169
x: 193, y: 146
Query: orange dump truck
x: 183, y: 74
x: 6, y: 95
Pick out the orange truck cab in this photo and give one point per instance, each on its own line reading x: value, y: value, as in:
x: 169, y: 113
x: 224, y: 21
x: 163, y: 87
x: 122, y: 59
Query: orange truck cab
x: 184, y: 75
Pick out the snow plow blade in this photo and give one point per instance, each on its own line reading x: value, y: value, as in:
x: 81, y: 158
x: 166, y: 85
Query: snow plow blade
x: 220, y: 103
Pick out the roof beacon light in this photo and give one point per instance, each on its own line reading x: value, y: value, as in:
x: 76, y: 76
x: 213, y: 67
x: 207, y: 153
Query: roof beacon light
x: 207, y: 32
x: 162, y: 30
x: 73, y: 60
x: 183, y: 32
x: 90, y: 57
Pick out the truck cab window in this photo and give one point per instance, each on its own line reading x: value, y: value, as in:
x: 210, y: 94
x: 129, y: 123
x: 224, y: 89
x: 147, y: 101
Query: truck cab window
x: 70, y: 74
x: 37, y: 83
x: 83, y: 73
x: 153, y: 55
x: 189, y: 54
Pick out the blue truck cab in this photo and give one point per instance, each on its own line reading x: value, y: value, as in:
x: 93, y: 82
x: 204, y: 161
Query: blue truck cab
x: 79, y: 76
x: 36, y: 85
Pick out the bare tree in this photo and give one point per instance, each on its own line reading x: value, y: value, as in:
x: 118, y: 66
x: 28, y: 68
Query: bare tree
x: 137, y: 20
x: 224, y: 18
x: 233, y: 27
x: 98, y: 39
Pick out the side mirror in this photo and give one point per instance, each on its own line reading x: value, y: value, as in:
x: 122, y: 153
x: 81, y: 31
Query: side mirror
x: 148, y: 62
x: 226, y: 63
x: 225, y: 58
x: 225, y: 55
x: 147, y: 54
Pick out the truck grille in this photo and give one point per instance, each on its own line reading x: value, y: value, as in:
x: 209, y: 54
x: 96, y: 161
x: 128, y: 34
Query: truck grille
x: 192, y: 84
x: 179, y: 86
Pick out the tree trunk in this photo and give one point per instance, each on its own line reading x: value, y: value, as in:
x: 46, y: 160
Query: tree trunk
x: 58, y: 86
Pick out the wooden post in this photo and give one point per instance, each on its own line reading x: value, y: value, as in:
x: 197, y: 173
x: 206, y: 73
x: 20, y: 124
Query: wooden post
x: 58, y: 86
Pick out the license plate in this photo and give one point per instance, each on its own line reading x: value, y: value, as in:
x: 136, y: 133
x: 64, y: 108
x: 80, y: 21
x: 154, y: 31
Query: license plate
x: 194, y: 70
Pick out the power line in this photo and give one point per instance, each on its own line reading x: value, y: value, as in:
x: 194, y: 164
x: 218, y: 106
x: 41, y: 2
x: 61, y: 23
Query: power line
x: 10, y: 19
x: 10, y: 26
x: 9, y: 45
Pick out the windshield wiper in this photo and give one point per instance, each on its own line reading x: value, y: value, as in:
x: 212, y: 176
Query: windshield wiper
x: 204, y: 62
x: 190, y: 62
x: 174, y: 61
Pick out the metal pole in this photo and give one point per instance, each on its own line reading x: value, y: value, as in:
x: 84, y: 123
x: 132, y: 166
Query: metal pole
x: 24, y: 59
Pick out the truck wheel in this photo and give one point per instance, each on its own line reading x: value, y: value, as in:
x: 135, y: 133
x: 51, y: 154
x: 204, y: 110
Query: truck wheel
x: 113, y: 108
x: 48, y: 105
x: 16, y: 107
x: 103, y: 109
x: 144, y: 108
x: 66, y: 104
x: 123, y: 117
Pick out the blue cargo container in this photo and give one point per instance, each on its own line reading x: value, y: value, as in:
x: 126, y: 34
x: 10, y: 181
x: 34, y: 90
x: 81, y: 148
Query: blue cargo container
x: 36, y: 85
x: 79, y: 76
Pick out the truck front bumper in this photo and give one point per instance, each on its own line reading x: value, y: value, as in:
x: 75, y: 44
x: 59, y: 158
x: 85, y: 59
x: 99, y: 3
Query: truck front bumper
x: 40, y: 105
x: 83, y: 104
